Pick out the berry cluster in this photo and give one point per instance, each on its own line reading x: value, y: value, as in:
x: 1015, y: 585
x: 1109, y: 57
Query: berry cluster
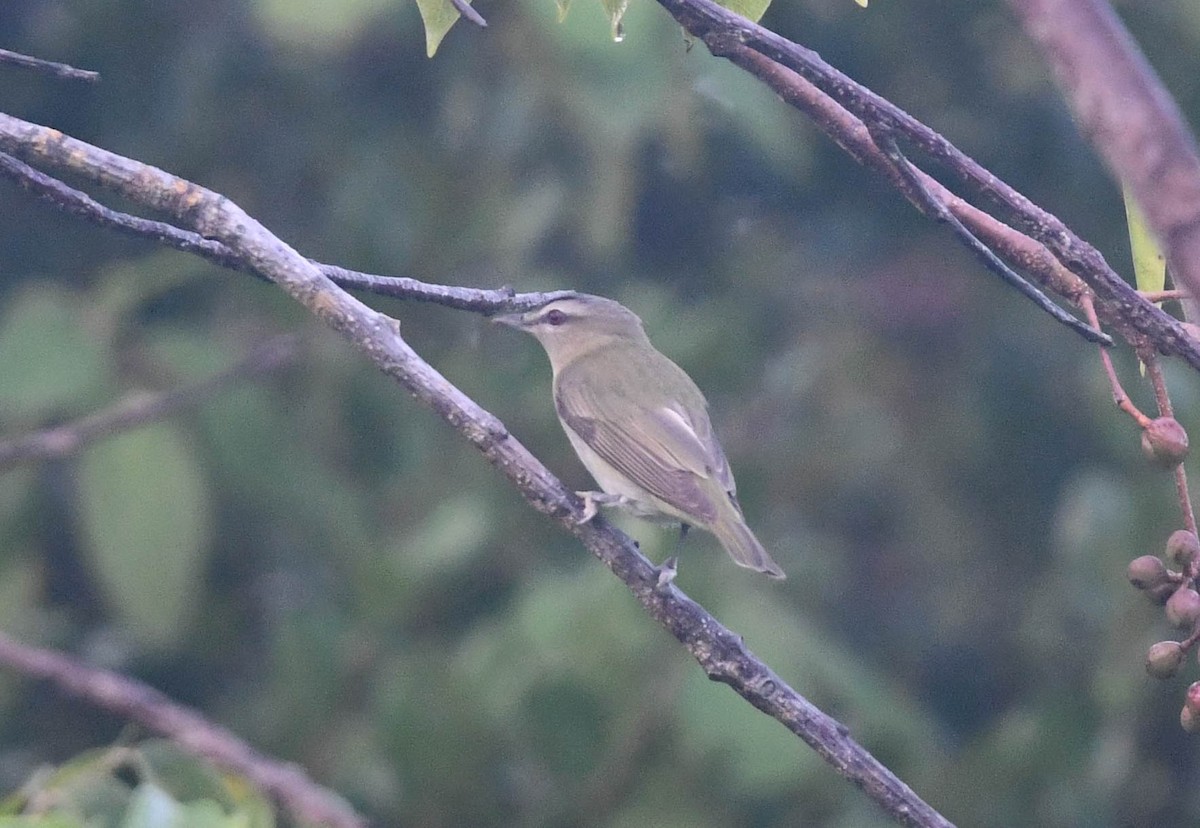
x: 1170, y: 581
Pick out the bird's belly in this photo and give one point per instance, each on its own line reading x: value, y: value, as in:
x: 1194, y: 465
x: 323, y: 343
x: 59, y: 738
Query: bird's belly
x: 639, y: 501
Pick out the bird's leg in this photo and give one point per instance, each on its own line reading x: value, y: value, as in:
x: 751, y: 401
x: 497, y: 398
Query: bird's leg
x: 592, y: 501
x: 670, y: 567
x: 667, y: 573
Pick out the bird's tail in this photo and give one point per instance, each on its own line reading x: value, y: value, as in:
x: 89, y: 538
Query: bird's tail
x: 743, y: 547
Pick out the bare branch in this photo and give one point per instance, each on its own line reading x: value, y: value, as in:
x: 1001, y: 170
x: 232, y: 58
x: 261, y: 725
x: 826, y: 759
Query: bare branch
x: 138, y: 702
x: 1128, y: 115
x: 74, y: 201
x: 727, y: 34
x: 139, y: 409
x: 464, y: 8
x: 931, y: 205
x: 721, y: 653
x: 852, y: 136
x: 58, y: 70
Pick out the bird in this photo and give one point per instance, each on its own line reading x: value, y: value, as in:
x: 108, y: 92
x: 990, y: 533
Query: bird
x: 638, y: 422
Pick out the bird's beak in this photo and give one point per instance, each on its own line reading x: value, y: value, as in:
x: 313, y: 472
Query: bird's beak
x: 512, y: 320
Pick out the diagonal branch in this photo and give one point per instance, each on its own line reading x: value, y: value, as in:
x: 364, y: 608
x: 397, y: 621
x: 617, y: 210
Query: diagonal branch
x: 721, y: 653
x: 727, y: 34
x: 126, y: 697
x: 1127, y: 114
x: 927, y: 203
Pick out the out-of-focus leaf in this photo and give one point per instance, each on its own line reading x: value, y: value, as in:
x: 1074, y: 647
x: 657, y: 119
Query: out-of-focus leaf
x: 438, y: 16
x: 315, y: 22
x: 563, y: 7
x: 83, y: 784
x: 749, y: 9
x: 49, y: 361
x: 152, y: 807
x: 449, y: 536
x: 1149, y: 266
x: 147, y: 518
x: 42, y: 821
x: 181, y: 773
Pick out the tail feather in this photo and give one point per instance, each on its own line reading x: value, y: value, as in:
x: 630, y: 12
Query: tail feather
x: 743, y: 547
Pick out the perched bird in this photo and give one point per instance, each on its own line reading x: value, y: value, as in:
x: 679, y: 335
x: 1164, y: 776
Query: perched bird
x: 638, y: 423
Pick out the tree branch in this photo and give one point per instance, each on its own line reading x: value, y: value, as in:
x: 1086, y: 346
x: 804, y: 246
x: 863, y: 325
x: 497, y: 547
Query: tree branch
x: 123, y: 696
x: 720, y: 652
x: 1128, y: 115
x: 78, y: 203
x: 58, y: 70
x: 727, y: 34
x: 141, y: 408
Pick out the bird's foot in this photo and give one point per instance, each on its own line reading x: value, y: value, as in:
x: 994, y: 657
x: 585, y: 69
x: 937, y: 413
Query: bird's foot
x: 592, y: 501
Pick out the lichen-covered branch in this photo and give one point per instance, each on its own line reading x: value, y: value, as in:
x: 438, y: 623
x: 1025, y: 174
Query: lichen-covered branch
x: 720, y: 652
x: 78, y: 203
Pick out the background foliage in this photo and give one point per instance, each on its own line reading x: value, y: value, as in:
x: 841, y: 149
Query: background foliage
x: 319, y: 564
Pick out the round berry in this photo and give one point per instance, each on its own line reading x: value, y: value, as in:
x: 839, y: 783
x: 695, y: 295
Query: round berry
x: 1164, y: 442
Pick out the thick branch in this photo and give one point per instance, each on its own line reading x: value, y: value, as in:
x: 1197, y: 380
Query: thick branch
x: 720, y: 652
x: 725, y: 33
x: 1128, y: 115
x: 123, y: 696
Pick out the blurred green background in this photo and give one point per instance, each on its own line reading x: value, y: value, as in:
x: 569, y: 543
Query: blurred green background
x: 319, y: 563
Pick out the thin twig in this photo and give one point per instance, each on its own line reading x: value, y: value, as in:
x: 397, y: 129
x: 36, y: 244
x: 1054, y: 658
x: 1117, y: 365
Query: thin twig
x: 852, y: 136
x: 464, y: 8
x: 58, y: 70
x: 721, y: 653
x: 141, y: 408
x: 1118, y: 392
x: 1162, y: 397
x: 71, y: 200
x: 1164, y: 295
x: 939, y: 211
x: 726, y: 33
x: 287, y: 783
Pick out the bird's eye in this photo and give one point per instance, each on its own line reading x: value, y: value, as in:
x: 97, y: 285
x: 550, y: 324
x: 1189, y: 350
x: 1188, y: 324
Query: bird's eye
x: 556, y: 317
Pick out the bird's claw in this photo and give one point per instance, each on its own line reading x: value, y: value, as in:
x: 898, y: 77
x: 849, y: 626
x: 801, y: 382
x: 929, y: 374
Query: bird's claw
x: 592, y: 501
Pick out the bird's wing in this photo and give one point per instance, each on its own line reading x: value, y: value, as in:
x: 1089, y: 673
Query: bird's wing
x: 658, y: 448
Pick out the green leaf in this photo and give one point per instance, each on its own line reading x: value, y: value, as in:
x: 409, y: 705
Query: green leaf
x: 1149, y: 266
x: 438, y: 16
x: 49, y: 361
x: 563, y: 7
x: 452, y: 534
x: 750, y: 9
x: 147, y: 519
x: 318, y: 23
x: 42, y: 821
